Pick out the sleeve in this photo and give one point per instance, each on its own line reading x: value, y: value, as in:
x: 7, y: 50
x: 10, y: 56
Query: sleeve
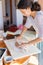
x: 38, y: 23
x: 40, y: 19
x: 28, y: 23
x: 35, y: 26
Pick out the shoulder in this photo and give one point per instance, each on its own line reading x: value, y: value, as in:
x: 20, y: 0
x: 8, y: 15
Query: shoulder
x: 40, y: 13
x: 40, y: 16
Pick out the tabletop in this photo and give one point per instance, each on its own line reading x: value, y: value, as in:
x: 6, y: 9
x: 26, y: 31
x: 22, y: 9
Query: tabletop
x: 2, y: 45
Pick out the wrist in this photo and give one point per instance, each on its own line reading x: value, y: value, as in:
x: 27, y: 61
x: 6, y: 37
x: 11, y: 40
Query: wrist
x: 21, y: 35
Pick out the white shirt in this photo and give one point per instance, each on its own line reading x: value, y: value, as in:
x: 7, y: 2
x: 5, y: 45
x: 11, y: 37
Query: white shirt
x: 37, y: 23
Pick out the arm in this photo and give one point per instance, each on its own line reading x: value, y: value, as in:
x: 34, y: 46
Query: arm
x: 23, y: 31
x: 26, y: 26
x: 35, y: 41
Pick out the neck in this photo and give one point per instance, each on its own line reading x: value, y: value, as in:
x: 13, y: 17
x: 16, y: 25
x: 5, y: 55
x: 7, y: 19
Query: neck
x: 33, y: 14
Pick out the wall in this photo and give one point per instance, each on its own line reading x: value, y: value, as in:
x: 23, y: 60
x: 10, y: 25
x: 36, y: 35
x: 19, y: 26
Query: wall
x: 41, y: 3
x: 8, y: 7
x: 17, y: 2
x: 3, y: 6
x: 1, y: 16
x: 13, y: 12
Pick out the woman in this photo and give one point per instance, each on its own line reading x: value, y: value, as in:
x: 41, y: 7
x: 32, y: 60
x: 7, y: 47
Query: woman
x: 34, y: 18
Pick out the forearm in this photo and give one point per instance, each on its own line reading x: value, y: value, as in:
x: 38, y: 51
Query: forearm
x: 35, y: 41
x: 23, y: 31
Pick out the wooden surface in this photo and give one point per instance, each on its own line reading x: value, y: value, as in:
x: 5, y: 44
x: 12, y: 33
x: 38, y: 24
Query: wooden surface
x: 2, y: 45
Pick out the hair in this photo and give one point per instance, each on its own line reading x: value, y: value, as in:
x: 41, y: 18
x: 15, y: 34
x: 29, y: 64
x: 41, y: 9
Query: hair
x: 35, y: 7
x: 24, y: 4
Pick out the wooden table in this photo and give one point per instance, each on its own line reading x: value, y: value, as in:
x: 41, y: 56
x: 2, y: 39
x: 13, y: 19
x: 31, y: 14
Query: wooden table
x: 2, y: 45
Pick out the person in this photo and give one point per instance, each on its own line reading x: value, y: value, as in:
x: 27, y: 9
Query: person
x: 32, y: 11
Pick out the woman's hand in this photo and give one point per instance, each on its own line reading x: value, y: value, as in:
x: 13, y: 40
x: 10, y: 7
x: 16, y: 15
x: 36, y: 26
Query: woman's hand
x: 16, y: 44
x: 17, y: 39
x: 22, y: 45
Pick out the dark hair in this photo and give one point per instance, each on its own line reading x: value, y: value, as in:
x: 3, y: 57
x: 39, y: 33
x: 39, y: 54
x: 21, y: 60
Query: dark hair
x: 24, y: 4
x: 35, y: 7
